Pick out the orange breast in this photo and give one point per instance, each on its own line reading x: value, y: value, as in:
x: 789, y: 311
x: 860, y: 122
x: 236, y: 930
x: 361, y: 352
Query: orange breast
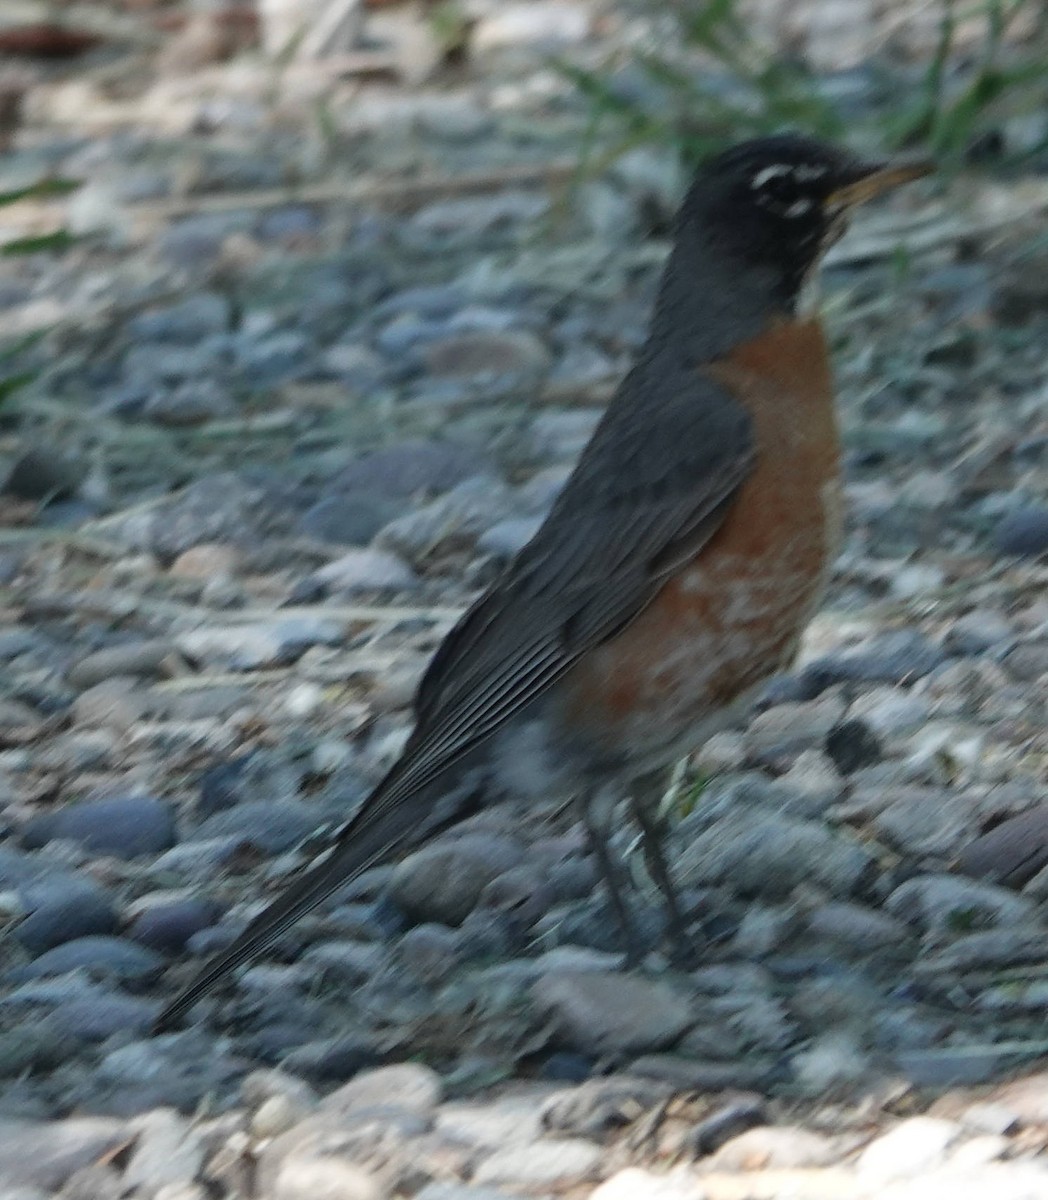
x: 734, y: 615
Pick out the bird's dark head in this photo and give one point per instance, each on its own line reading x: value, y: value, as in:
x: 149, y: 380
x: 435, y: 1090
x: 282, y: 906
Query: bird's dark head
x: 773, y: 205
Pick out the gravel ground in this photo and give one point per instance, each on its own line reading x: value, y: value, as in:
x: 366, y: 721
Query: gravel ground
x: 303, y: 385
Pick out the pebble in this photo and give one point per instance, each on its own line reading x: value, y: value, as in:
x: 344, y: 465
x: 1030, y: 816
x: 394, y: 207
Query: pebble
x: 348, y: 519
x: 566, y: 1162
x: 365, y: 570
x: 407, y: 1086
x: 1011, y: 853
x: 900, y: 657
x: 944, y: 902
x: 410, y: 469
x: 485, y: 354
x: 1023, y: 533
x: 780, y: 1147
x: 443, y: 882
x: 542, y: 23
x: 167, y: 925
x: 99, y: 1014
x: 115, y: 704
x: 768, y: 855
x: 327, y: 1178
x: 167, y: 1151
x: 143, y: 659
x: 61, y: 909
x: 104, y: 957
x: 636, y: 1184
x: 260, y: 644
x: 605, y: 1012
x: 123, y: 826
x: 915, y: 1145
x: 46, y: 1154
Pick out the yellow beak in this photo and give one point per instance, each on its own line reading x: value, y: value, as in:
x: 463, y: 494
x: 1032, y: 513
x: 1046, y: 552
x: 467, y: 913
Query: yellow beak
x: 878, y: 179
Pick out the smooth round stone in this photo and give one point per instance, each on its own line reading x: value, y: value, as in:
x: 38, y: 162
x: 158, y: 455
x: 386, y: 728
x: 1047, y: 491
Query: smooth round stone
x: 122, y: 826
x: 1023, y: 532
x: 63, y: 909
x: 103, y: 956
x: 167, y: 927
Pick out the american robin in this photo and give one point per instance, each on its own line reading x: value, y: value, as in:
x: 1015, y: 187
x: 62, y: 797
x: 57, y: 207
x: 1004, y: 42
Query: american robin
x: 677, y: 568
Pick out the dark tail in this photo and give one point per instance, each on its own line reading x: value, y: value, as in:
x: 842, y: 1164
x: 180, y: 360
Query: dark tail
x: 385, y: 825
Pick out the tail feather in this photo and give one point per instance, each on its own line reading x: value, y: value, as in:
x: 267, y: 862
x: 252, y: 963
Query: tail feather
x: 388, y: 822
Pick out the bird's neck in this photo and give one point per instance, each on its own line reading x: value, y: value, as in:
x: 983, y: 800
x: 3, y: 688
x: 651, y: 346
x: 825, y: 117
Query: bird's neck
x: 706, y: 304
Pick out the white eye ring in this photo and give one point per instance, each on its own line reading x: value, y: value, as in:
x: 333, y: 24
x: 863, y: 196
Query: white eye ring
x: 772, y: 172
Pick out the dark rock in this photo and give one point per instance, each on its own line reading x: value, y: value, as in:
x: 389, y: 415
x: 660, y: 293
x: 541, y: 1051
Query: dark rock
x: 62, y: 909
x: 332, y: 1061
x: 222, y: 786
x: 898, y: 657
x: 349, y: 518
x: 409, y: 468
x: 1023, y: 532
x: 99, y: 1015
x: 107, y: 957
x: 443, y: 882
x: 1011, y: 853
x: 851, y: 745
x: 40, y: 474
x: 123, y: 826
x: 168, y: 927
x: 272, y: 826
x: 195, y: 317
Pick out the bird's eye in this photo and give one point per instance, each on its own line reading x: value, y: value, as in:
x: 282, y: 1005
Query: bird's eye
x: 778, y: 189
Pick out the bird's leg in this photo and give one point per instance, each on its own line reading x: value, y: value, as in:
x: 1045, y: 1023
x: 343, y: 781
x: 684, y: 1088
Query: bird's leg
x: 598, y: 807
x: 646, y: 796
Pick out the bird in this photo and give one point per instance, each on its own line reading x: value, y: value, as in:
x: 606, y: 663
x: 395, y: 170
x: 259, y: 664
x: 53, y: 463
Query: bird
x: 676, y: 569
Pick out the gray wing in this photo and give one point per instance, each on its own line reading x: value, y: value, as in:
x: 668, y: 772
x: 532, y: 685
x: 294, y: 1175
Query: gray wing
x: 649, y: 491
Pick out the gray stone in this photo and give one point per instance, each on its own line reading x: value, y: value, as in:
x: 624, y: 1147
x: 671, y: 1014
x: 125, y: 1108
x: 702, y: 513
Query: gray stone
x: 366, y: 570
x: 144, y: 658
x: 443, y: 882
x: 916, y: 1145
x: 105, y: 957
x: 769, y: 854
x: 990, y: 948
x: 194, y: 317
x: 454, y: 520
x: 1023, y: 533
x: 486, y: 353
x: 944, y: 902
x: 407, y: 1086
x: 855, y: 929
x: 272, y: 826
x: 62, y: 909
x: 45, y: 1154
x: 604, y: 1012
x: 122, y: 826
x: 791, y: 728
x: 561, y: 1164
x: 100, y: 1014
x: 897, y: 657
x: 116, y: 704
x: 1011, y: 853
x: 167, y: 1151
x: 408, y: 469
x: 328, y: 1178
x: 168, y: 925
x: 348, y: 519
x: 923, y: 821
x: 775, y: 1147
x: 261, y: 644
